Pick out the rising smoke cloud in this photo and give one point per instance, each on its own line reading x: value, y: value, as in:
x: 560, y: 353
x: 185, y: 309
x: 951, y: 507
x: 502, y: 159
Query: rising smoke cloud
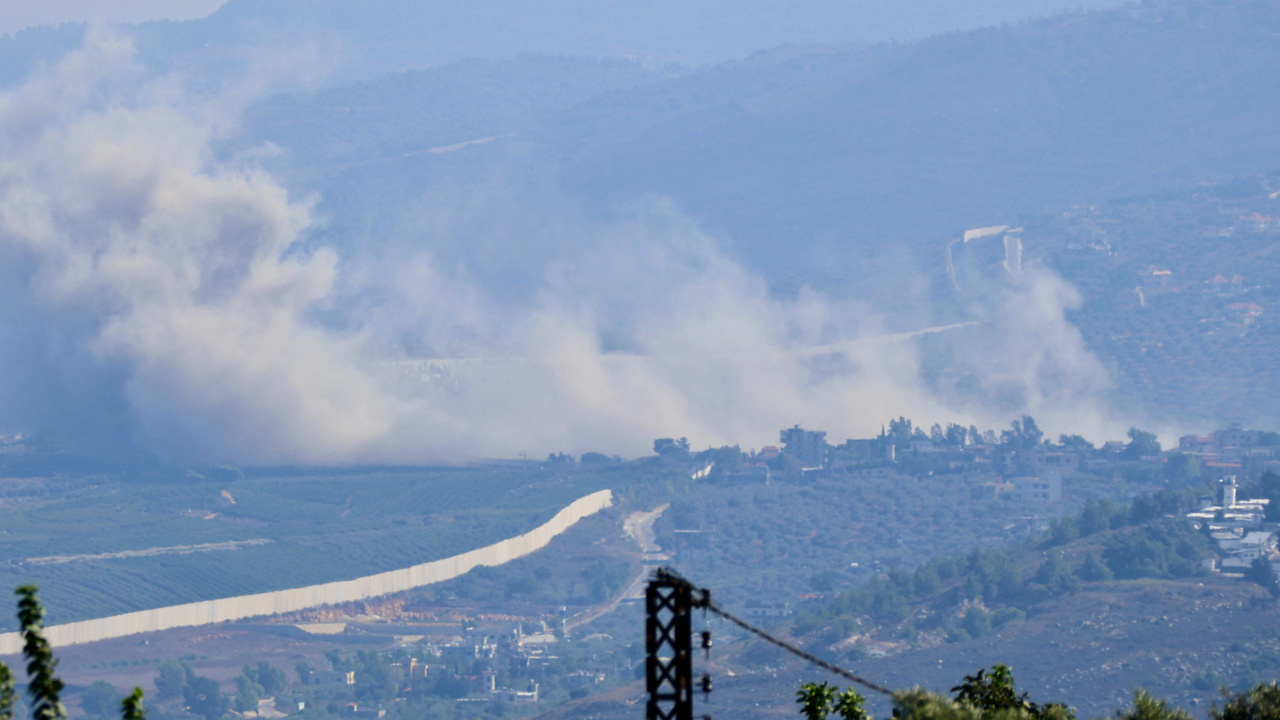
x: 161, y: 294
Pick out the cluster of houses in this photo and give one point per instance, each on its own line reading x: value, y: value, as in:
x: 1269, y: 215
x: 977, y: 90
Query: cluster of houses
x: 1029, y: 473
x: 1228, y: 450
x: 1156, y: 280
x: 1239, y: 528
x: 1032, y: 476
x: 473, y: 664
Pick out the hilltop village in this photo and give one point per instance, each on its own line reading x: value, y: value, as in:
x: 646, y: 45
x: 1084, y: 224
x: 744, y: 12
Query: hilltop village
x: 1019, y: 462
x: 1234, y: 470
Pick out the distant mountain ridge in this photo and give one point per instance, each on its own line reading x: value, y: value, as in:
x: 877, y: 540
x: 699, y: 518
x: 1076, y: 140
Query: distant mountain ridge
x: 660, y: 30
x: 367, y: 39
x: 907, y: 143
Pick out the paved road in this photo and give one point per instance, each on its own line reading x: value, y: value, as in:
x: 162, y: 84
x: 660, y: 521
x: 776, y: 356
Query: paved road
x: 639, y: 526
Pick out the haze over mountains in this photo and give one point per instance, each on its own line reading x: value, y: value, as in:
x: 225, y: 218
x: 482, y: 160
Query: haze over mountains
x: 650, y: 239
x: 910, y: 143
x: 397, y: 34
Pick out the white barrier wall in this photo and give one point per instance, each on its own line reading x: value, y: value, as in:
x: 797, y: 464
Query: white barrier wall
x: 285, y: 601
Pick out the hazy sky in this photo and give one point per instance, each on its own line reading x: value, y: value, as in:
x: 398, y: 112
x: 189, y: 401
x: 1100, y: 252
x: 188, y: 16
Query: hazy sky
x: 17, y: 14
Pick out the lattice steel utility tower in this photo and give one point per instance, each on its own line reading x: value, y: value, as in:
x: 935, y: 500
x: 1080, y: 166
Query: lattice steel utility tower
x: 669, y: 602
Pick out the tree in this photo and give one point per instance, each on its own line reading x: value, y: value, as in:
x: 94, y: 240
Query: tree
x: 43, y: 684
x: 171, y: 679
x: 1269, y: 487
x: 981, y: 697
x: 1148, y: 707
x: 926, y: 581
x: 995, y: 692
x: 248, y: 693
x: 594, y: 458
x: 305, y: 672
x: 1181, y: 470
x: 1094, y: 570
x: 1056, y: 575
x: 131, y: 706
x: 1096, y: 516
x: 817, y: 701
x: 1075, y: 443
x: 900, y: 431
x: 100, y: 699
x: 1260, y: 702
x: 1063, y: 531
x: 1162, y: 548
x: 270, y: 679
x: 670, y: 447
x: 1261, y: 572
x: 7, y: 695
x: 849, y: 705
x: 374, y: 684
x: 976, y: 621
x: 336, y: 661
x: 204, y: 697
x: 1141, y: 444
x: 1023, y: 435
x: 991, y: 696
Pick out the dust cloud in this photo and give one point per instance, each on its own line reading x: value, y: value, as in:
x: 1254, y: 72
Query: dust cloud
x: 159, y: 294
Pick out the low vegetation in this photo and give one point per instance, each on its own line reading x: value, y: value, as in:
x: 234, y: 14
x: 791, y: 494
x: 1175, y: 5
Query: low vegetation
x: 992, y: 696
x: 968, y: 596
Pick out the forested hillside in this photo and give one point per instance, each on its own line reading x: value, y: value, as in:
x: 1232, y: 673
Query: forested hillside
x: 847, y: 153
x: 1179, y: 297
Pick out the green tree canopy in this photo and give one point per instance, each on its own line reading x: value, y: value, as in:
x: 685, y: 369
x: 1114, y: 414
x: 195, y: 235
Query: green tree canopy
x: 204, y: 697
x: 100, y: 700
x: 1141, y: 444
x: 1261, y: 702
x: 818, y: 701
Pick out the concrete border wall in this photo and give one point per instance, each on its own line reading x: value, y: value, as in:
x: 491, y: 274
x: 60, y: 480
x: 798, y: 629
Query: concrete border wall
x: 208, y: 612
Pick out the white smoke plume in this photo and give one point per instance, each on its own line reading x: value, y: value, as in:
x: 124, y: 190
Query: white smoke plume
x: 1027, y: 357
x: 159, y: 294
x: 173, y: 268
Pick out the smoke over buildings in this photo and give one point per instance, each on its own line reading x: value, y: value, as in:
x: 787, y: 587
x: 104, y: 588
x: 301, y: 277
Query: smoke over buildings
x: 162, y: 293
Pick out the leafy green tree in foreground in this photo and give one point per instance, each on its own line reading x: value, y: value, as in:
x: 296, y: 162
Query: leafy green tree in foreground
x: 131, y: 706
x: 991, y: 696
x: 1261, y: 702
x: 818, y: 701
x: 43, y: 684
x: 995, y: 692
x: 44, y: 687
x: 6, y: 693
x: 1148, y: 707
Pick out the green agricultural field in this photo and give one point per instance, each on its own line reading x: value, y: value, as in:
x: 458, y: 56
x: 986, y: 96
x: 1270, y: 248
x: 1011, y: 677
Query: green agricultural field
x: 296, y: 528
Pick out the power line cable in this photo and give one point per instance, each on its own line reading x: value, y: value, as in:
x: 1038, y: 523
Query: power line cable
x: 797, y: 651
x: 703, y: 600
